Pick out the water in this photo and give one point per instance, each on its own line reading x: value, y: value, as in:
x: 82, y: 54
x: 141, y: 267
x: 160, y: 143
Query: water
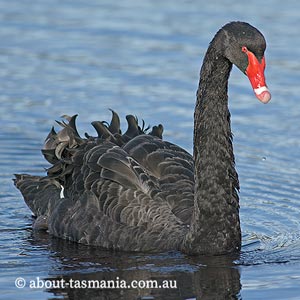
x: 143, y: 58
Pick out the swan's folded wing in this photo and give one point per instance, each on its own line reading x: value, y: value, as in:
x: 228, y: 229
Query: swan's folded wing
x: 118, y: 198
x: 108, y: 161
x: 172, y: 166
x: 124, y: 189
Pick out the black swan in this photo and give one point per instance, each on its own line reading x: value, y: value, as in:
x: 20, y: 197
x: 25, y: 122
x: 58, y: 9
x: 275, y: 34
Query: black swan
x: 136, y: 192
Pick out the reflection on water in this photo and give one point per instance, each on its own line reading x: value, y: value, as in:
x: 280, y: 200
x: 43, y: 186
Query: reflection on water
x: 142, y: 58
x: 194, y: 277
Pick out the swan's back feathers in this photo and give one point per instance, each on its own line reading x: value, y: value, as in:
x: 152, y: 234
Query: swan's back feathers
x: 115, y: 184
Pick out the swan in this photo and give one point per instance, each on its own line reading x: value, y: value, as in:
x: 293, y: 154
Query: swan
x: 133, y: 191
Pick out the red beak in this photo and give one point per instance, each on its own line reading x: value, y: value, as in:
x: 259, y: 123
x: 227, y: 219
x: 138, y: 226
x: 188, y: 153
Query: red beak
x: 255, y: 73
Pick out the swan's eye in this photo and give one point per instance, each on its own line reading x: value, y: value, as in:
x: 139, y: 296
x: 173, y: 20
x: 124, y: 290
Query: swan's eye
x: 244, y: 49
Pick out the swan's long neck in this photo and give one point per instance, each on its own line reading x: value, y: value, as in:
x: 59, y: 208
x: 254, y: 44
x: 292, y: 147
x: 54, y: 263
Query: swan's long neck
x: 215, y: 226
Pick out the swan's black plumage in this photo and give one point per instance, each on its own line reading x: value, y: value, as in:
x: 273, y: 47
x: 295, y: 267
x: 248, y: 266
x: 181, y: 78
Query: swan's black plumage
x: 137, y: 192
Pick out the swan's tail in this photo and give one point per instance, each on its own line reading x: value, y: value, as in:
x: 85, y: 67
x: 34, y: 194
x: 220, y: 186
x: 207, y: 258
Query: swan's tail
x: 41, y: 194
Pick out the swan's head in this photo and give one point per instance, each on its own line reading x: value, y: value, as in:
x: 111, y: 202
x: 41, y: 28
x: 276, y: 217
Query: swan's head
x: 245, y: 47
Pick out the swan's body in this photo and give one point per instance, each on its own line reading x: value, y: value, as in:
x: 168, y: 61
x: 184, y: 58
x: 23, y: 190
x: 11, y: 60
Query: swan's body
x: 136, y: 192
